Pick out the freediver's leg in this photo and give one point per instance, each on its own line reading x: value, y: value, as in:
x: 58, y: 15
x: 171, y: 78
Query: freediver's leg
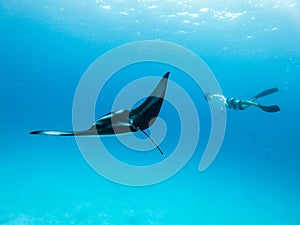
x: 272, y: 108
x: 244, y: 104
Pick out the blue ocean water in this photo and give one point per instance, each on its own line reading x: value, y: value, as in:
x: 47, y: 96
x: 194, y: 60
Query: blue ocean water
x: 46, y: 46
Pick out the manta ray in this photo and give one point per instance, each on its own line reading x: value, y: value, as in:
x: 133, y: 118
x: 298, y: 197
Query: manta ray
x: 124, y: 121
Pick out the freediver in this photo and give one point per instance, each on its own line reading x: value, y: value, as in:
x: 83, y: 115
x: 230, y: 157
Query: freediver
x: 220, y: 101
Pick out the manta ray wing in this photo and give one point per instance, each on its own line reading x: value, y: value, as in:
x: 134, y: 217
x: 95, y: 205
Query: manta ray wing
x: 145, y: 115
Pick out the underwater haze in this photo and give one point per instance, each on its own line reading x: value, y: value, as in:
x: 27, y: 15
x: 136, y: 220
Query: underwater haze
x: 250, y: 46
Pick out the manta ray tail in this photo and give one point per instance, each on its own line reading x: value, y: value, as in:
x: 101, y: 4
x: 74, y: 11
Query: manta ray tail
x: 53, y: 133
x: 161, y: 152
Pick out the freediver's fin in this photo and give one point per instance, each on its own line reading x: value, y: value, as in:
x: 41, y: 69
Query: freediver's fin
x: 273, y: 108
x: 53, y: 133
x: 264, y: 93
x: 161, y: 152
